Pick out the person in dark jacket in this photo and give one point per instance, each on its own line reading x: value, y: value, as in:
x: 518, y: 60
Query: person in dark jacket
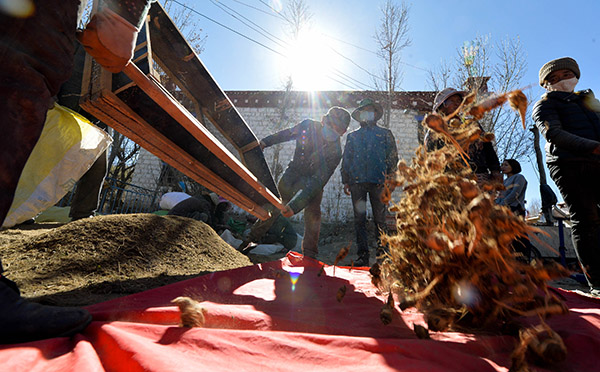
x: 318, y: 152
x: 570, y: 122
x: 36, y: 55
x: 482, y: 155
x: 370, y: 155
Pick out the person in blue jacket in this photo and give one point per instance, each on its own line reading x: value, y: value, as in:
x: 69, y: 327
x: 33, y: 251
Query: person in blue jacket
x: 570, y: 122
x: 370, y: 155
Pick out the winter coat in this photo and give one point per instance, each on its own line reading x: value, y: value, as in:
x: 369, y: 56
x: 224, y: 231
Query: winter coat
x: 369, y: 156
x: 514, y: 195
x: 570, y: 122
x: 314, y: 161
x: 482, y: 155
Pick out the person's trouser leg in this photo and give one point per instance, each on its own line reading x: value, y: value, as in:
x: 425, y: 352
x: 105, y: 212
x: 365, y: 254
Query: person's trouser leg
x: 312, y: 226
x: 87, y: 194
x: 579, y: 184
x: 379, y: 209
x: 288, y: 186
x: 358, y: 194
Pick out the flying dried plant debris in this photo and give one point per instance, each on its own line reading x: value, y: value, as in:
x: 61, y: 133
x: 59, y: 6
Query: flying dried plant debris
x: 387, y: 311
x: 539, y: 343
x: 343, y: 252
x: 192, y: 314
x: 321, y: 270
x: 341, y: 293
x: 518, y: 102
x: 451, y: 256
x: 421, y: 332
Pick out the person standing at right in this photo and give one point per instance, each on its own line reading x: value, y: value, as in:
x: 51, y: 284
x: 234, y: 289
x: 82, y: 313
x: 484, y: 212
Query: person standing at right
x: 370, y: 155
x: 570, y: 122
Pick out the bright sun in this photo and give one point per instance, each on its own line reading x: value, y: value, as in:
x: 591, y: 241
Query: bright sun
x: 310, y: 61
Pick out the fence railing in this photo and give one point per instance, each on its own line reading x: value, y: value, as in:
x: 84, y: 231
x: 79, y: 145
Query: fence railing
x: 119, y: 197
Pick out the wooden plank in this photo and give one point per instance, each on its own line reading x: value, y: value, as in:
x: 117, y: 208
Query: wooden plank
x: 114, y: 112
x: 178, y: 58
x: 199, y: 132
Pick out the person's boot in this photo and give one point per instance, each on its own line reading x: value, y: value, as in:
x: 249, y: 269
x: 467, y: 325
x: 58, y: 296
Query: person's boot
x: 362, y: 261
x: 24, y: 321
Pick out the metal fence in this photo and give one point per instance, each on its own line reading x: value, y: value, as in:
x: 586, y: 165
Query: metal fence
x: 119, y: 197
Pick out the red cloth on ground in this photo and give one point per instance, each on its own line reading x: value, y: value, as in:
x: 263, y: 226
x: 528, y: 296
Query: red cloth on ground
x: 282, y: 316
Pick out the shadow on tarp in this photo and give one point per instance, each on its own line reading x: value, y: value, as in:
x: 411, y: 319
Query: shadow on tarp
x: 313, y: 329
x: 112, y: 289
x: 284, y: 295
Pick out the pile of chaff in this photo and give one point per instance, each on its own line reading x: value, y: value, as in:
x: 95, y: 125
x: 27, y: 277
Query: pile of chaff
x: 451, y: 256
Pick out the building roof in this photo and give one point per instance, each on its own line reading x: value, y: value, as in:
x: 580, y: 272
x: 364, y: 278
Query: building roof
x: 419, y: 101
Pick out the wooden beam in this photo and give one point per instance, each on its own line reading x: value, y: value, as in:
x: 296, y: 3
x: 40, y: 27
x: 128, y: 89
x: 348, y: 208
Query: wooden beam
x: 107, y: 107
x: 157, y: 93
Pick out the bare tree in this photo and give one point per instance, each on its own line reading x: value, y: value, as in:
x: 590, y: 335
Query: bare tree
x: 298, y: 17
x: 391, y: 37
x: 502, y: 71
x: 188, y: 25
x: 122, y: 157
x: 440, y: 77
x: 192, y: 32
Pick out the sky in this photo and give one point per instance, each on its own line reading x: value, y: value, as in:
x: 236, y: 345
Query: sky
x: 337, y: 53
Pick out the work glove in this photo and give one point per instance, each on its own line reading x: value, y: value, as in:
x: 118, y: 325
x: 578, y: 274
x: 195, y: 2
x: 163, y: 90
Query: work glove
x: 110, y: 39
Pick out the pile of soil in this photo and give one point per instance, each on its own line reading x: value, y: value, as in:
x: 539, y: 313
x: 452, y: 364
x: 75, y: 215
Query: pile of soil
x: 96, y: 259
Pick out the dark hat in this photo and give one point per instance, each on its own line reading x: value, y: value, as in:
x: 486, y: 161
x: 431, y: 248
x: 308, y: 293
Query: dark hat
x: 443, y: 95
x: 340, y: 119
x: 564, y: 63
x: 368, y: 102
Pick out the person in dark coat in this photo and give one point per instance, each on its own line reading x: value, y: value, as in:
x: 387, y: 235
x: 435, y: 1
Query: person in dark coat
x: 36, y: 55
x: 370, y: 156
x: 318, y: 152
x: 570, y: 122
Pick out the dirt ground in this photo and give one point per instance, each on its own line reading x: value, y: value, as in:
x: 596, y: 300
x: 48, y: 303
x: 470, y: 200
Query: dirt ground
x: 97, y: 259
x: 101, y: 258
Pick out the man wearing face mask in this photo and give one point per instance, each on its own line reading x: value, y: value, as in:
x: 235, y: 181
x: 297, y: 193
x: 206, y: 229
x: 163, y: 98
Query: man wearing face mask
x: 570, y: 122
x: 370, y: 155
x: 318, y: 152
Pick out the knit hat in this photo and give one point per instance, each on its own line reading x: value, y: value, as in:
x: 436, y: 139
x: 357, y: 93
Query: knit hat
x: 443, y: 95
x: 368, y: 102
x: 564, y: 63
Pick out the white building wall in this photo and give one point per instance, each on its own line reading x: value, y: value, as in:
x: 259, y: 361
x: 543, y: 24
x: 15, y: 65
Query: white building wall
x: 336, y: 206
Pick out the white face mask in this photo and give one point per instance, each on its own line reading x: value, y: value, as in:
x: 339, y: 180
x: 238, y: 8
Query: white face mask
x: 567, y: 85
x: 367, y: 116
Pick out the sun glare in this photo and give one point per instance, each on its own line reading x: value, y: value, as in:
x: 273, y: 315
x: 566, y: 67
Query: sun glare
x: 309, y: 62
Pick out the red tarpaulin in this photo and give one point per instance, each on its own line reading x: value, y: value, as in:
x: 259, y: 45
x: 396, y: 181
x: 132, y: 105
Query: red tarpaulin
x: 283, y: 316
